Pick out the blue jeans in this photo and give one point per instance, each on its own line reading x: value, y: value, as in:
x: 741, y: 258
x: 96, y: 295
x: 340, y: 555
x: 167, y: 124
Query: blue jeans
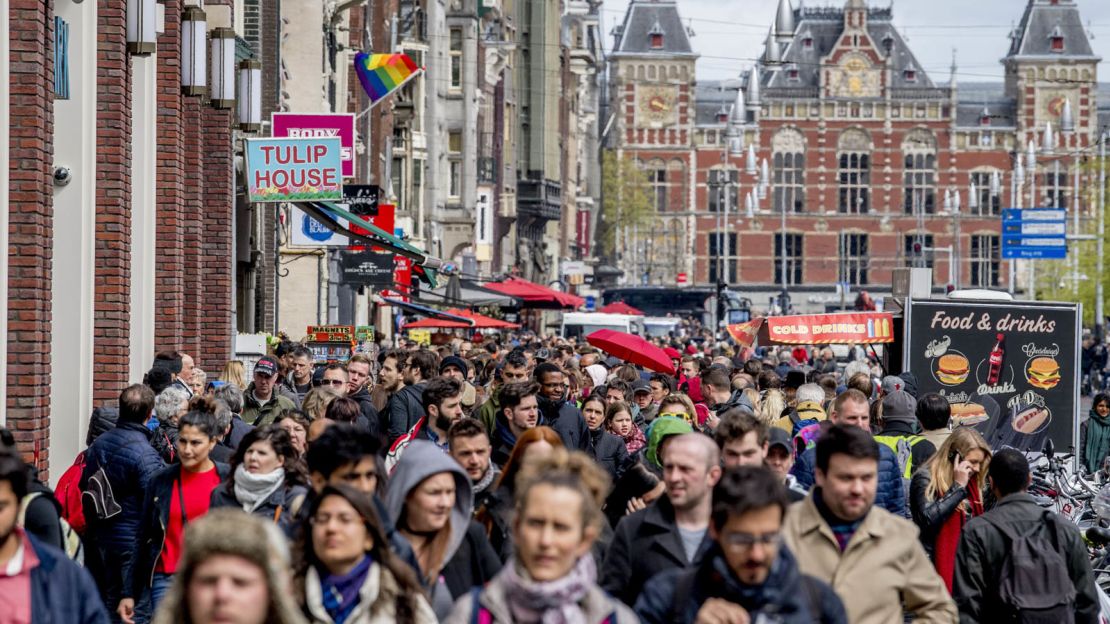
x: 160, y: 584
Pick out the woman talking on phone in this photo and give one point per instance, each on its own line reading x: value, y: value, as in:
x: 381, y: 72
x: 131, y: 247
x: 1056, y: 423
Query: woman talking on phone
x: 947, y: 492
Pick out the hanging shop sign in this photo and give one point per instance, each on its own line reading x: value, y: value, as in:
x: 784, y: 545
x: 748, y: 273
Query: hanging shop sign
x: 320, y: 126
x: 845, y: 328
x: 280, y: 170
x: 367, y: 268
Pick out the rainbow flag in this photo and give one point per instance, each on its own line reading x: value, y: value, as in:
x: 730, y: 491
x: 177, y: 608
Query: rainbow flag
x: 382, y: 74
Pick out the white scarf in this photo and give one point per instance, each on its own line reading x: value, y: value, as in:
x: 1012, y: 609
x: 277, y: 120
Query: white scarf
x: 251, y: 490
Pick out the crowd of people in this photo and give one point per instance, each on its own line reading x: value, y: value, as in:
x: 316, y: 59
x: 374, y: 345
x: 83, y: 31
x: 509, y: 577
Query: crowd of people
x: 534, y: 481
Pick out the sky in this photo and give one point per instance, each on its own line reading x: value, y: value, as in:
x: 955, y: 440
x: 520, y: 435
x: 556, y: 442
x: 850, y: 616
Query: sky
x: 729, y: 34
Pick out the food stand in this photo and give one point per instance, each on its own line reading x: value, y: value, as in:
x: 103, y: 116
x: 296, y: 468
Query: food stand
x: 330, y: 343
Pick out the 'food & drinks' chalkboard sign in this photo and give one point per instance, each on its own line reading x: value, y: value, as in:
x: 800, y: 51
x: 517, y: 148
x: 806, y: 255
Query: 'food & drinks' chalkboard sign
x: 1009, y: 369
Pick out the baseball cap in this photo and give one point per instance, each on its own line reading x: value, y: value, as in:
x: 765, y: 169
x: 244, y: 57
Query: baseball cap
x: 267, y: 365
x: 641, y: 386
x: 778, y: 437
x: 893, y: 384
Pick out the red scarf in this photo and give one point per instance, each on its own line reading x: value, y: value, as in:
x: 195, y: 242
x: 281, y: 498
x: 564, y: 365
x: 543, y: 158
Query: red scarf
x: 948, y: 538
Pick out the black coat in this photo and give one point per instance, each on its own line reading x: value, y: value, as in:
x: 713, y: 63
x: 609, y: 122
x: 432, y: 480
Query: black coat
x: 370, y: 418
x: 473, y: 564
x: 289, y: 499
x: 405, y: 408
x: 983, y: 550
x: 930, y: 516
x: 609, y: 451
x: 645, y: 544
x: 152, y: 533
x: 567, y: 421
x: 239, y: 430
x: 42, y: 516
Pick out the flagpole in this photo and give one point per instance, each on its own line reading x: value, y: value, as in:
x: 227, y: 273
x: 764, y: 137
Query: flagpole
x: 395, y: 90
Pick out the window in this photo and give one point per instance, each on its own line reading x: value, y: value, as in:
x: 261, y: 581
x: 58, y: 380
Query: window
x: 854, y: 260
x: 456, y: 53
x: 1055, y: 190
x: 793, y: 258
x: 454, y: 153
x: 397, y: 175
x: 658, y: 180
x: 920, y: 173
x: 854, y: 172
x: 988, y: 204
x: 657, y: 41
x: 727, y: 241
x: 724, y: 190
x: 921, y: 256
x: 807, y: 43
x: 788, y: 175
x: 910, y: 75
x: 985, y: 261
x: 1057, y: 44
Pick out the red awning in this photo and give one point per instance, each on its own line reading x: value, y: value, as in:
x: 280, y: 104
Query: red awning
x: 534, y: 295
x: 434, y: 323
x: 480, y: 321
x: 620, y: 307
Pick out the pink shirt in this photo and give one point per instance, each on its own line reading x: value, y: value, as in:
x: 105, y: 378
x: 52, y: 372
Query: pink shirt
x: 15, y: 583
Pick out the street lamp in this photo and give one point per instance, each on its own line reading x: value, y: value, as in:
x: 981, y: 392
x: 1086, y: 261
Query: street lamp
x: 142, y: 19
x: 194, y: 29
x: 222, y: 77
x: 250, y: 95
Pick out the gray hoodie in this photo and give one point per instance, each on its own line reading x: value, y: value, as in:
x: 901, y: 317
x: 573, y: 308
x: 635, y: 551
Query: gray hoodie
x: 423, y: 459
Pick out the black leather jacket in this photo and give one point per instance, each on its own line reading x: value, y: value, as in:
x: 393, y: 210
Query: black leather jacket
x: 930, y: 516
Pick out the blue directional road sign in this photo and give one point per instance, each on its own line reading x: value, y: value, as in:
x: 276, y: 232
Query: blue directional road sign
x: 1034, y: 233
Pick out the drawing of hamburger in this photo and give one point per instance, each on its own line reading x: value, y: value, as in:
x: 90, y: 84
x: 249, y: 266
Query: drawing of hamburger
x: 968, y: 414
x: 1043, y: 372
x: 952, y: 369
x: 1030, y: 419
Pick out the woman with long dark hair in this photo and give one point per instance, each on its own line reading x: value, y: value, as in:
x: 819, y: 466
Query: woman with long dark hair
x: 946, y: 493
x: 1094, y: 443
x: 267, y: 480
x: 345, y: 573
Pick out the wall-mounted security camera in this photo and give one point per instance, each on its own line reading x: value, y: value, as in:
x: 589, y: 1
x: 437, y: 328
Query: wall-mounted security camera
x: 62, y: 176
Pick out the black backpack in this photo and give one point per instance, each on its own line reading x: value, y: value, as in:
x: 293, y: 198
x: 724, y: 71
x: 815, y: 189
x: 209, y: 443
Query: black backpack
x: 1033, y: 582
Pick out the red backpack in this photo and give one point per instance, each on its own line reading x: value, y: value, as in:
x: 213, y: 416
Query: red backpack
x: 68, y: 494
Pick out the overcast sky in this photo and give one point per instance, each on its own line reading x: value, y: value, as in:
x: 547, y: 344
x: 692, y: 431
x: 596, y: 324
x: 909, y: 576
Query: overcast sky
x: 730, y: 33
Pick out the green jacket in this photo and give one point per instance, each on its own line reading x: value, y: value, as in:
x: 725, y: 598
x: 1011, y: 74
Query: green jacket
x: 262, y: 414
x: 487, y: 413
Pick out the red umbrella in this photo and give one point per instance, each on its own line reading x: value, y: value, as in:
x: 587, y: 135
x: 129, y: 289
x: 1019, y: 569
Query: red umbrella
x: 632, y: 349
x: 620, y: 307
x: 673, y: 353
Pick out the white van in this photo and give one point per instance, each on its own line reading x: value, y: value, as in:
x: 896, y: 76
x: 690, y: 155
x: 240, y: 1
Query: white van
x: 660, y: 326
x: 582, y: 324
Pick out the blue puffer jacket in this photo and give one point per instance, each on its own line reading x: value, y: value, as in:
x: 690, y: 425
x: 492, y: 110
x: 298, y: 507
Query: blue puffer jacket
x: 890, y: 494
x: 787, y: 596
x: 62, y: 592
x: 129, y: 461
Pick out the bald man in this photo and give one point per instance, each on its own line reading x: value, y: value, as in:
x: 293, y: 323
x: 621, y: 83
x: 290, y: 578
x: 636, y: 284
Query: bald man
x: 673, y: 531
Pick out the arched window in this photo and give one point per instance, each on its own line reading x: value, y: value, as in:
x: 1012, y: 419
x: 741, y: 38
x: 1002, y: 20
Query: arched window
x: 788, y: 170
x: 919, y: 176
x: 854, y: 169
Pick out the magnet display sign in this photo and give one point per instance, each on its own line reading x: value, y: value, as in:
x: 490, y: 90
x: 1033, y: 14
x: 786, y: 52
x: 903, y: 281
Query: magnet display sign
x: 1009, y: 369
x: 320, y: 125
x: 290, y: 170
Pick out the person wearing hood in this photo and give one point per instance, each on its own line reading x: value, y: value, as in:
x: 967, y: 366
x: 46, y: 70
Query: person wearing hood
x: 608, y: 450
x: 346, y: 572
x: 1094, y: 434
x: 430, y: 502
x: 552, y: 576
x: 557, y: 412
x: 747, y: 573
x: 266, y: 478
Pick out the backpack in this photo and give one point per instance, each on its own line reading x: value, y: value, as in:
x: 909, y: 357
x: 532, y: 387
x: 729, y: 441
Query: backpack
x: 903, y: 452
x: 1034, y: 584
x: 71, y: 541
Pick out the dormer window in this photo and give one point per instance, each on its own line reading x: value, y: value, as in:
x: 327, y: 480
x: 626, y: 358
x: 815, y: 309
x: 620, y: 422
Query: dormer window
x: 792, y: 73
x: 722, y: 117
x: 657, y: 41
x: 1056, y: 40
x: 910, y: 75
x: 807, y: 43
x: 656, y: 36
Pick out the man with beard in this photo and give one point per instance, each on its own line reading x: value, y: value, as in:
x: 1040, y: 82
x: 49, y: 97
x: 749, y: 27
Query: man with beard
x: 469, y: 445
x: 513, y: 370
x: 873, y: 559
x: 358, y: 383
x: 747, y: 574
x: 404, y: 407
x: 442, y: 404
x: 40, y: 583
x: 558, y: 413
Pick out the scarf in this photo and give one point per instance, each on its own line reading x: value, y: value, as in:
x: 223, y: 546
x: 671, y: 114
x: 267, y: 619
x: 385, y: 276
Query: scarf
x: 842, y: 529
x: 948, y: 538
x: 487, y: 480
x: 635, y: 440
x: 251, y: 490
x: 551, y: 602
x: 341, y: 591
x: 1098, y: 441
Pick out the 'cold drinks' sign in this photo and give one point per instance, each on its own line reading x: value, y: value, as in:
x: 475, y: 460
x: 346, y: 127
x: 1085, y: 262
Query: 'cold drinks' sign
x: 294, y: 169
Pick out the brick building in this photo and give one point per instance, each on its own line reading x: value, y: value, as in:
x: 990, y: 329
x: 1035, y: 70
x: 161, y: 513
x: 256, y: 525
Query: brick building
x: 837, y: 158
x: 116, y: 216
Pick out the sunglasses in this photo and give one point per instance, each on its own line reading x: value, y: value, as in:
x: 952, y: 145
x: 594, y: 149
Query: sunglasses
x: 332, y: 382
x: 682, y: 415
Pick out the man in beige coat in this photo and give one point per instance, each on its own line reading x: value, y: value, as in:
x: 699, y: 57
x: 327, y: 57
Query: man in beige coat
x: 872, y: 559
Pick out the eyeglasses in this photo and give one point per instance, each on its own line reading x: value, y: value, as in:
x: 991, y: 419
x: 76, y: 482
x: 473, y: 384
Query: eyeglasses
x: 333, y: 382
x: 747, y: 540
